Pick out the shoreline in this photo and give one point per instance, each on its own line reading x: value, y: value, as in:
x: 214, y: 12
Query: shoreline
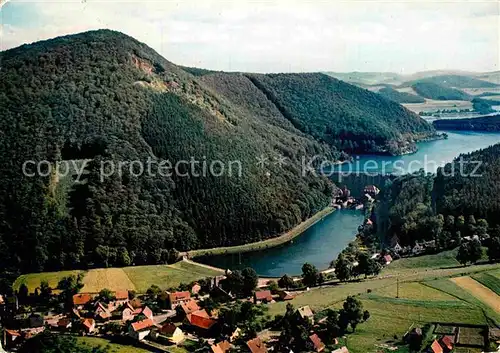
x: 263, y: 244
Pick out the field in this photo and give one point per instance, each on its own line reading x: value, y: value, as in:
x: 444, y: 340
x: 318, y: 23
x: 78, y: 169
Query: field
x: 114, y: 347
x: 167, y: 276
x: 427, y: 294
x: 138, y: 278
x: 489, y: 280
x: 33, y: 280
x: 433, y: 105
x: 481, y: 292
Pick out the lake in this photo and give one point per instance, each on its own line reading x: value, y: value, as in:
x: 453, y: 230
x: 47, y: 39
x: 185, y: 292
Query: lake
x: 430, y: 155
x: 318, y: 245
x: 322, y: 242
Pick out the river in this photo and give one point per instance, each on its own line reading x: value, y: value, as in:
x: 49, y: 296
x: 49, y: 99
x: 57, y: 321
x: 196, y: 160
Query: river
x: 322, y: 242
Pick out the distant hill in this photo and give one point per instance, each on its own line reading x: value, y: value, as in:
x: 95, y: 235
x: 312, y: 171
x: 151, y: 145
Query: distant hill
x: 453, y: 81
x: 102, y: 98
x: 342, y: 115
x: 400, y: 97
x: 368, y: 78
x: 486, y: 123
x: 438, y: 92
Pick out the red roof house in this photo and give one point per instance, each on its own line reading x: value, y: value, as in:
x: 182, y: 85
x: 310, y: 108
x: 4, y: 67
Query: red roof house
x: 263, y: 296
x: 447, y: 342
x: 257, y: 346
x: 88, y: 325
x: 319, y: 346
x: 82, y: 299
x: 177, y: 298
x: 436, y: 347
x: 201, y: 320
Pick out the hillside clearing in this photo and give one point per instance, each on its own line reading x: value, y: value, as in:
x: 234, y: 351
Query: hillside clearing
x: 138, y: 278
x: 481, y: 292
x: 95, y: 342
x: 111, y: 278
x: 33, y: 280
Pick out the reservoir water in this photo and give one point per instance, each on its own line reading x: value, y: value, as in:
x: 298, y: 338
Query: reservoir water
x: 318, y: 245
x: 322, y: 242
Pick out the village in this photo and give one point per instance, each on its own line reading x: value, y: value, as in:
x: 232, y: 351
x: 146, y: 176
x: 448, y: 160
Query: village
x: 155, y: 321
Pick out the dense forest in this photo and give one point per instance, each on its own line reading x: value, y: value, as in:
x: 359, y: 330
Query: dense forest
x: 400, y: 97
x: 101, y: 97
x: 345, y: 116
x: 463, y: 197
x: 436, y: 91
x: 484, y: 123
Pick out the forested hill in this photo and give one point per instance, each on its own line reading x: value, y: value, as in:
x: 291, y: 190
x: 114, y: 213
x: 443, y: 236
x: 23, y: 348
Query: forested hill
x: 461, y: 198
x: 100, y: 98
x: 483, y: 123
x: 103, y: 96
x: 345, y: 116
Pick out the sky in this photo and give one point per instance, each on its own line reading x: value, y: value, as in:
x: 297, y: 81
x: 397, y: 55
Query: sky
x: 280, y: 35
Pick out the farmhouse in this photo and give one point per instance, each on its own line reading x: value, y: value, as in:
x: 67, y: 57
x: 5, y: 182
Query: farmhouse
x: 82, y: 299
x: 88, y: 325
x: 257, y: 346
x: 221, y: 347
x: 121, y: 297
x: 172, y: 333
x: 141, y: 329
x: 178, y: 298
x: 306, y: 313
x: 319, y: 346
x: 435, y: 347
x: 263, y: 296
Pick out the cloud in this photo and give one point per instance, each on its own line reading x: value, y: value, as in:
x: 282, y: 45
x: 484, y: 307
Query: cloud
x: 280, y: 35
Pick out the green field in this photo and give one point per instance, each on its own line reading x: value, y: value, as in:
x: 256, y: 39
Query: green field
x: 167, y: 276
x: 114, y: 347
x: 138, y: 278
x: 489, y: 280
x: 33, y: 280
x: 426, y: 295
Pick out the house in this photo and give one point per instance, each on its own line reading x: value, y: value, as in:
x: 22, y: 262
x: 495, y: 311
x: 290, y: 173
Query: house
x: 221, y: 347
x: 306, y: 313
x: 101, y: 312
x: 121, y: 297
x: 387, y: 259
x: 147, y: 312
x: 263, y: 296
x: 64, y: 324
x: 201, y: 321
x: 447, y: 342
x: 36, y: 320
x: 417, y: 249
x: 178, y: 298
x: 371, y: 190
x: 173, y: 333
x: 141, y: 329
x: 195, y: 289
x: 319, y: 346
x: 284, y: 295
x: 27, y: 333
x: 397, y: 248
x: 190, y: 307
x: 341, y: 350
x: 82, y: 299
x: 256, y: 346
x: 435, y: 347
x: 88, y: 325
